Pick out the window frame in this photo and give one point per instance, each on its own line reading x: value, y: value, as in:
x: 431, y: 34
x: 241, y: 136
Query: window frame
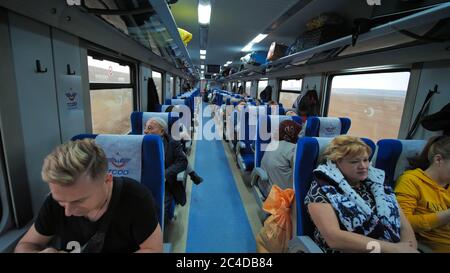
x: 280, y: 90
x: 122, y: 60
x: 161, y: 99
x: 249, y: 88
x: 257, y: 87
x: 133, y: 75
x: 326, y: 95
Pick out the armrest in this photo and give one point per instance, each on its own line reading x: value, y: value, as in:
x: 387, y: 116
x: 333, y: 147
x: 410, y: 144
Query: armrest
x: 259, y: 173
x: 424, y: 248
x: 239, y: 159
x: 241, y: 145
x: 303, y: 244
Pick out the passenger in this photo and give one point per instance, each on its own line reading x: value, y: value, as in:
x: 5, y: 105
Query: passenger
x: 291, y: 113
x: 175, y: 161
x: 184, y: 135
x: 274, y: 108
x: 424, y: 194
x: 83, y: 207
x: 279, y: 163
x: 307, y: 105
x: 242, y: 103
x: 266, y: 94
x: 241, y: 90
x: 258, y: 102
x: 351, y: 207
x: 240, y: 107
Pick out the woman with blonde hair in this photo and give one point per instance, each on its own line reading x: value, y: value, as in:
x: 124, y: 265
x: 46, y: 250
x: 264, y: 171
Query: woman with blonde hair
x: 424, y: 194
x: 351, y: 207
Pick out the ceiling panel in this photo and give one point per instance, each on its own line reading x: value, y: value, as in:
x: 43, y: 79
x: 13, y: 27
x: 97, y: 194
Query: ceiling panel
x: 234, y: 23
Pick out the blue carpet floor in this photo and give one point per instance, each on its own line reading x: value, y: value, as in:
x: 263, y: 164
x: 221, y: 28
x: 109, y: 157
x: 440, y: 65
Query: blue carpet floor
x: 217, y: 219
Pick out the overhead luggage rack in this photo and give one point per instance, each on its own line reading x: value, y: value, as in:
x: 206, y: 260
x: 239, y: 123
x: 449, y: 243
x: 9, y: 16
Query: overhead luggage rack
x: 416, y: 20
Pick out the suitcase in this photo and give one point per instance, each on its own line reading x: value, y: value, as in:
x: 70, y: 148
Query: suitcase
x: 255, y: 58
x: 276, y: 51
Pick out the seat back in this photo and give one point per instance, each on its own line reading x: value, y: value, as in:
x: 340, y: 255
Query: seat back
x: 139, y: 119
x: 307, y: 154
x: 392, y: 156
x: 176, y: 102
x: 268, y: 124
x: 326, y: 126
x: 247, y: 120
x: 149, y: 171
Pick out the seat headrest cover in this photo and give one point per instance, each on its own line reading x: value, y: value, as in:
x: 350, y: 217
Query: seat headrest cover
x: 329, y: 127
x: 410, y: 148
x: 177, y: 102
x: 124, y: 154
x: 164, y: 107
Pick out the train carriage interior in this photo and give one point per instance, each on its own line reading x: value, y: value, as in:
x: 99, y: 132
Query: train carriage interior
x: 228, y: 82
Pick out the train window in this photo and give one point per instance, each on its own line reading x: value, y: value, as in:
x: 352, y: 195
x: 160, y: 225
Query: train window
x: 374, y: 102
x: 157, y: 78
x: 111, y: 110
x: 111, y: 92
x: 290, y: 90
x: 172, y: 87
x: 261, y: 85
x: 104, y: 71
x: 248, y: 86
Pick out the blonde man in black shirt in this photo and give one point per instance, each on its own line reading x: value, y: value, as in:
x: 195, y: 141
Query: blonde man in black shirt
x: 90, y: 211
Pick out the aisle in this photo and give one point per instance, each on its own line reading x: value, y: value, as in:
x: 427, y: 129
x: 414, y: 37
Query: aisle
x: 217, y: 218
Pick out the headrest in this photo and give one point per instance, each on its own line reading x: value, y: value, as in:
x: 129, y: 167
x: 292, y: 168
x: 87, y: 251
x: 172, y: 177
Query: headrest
x: 177, y: 102
x: 392, y: 156
x: 164, y: 107
x: 124, y: 153
x: 326, y: 126
x: 329, y: 127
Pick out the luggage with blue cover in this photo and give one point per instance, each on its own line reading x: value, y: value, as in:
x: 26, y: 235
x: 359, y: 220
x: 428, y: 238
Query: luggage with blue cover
x: 254, y: 59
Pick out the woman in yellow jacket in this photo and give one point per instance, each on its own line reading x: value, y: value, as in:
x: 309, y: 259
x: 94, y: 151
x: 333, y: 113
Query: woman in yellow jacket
x: 424, y: 194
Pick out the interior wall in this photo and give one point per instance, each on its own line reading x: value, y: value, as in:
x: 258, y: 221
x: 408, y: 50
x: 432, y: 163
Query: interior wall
x: 433, y: 73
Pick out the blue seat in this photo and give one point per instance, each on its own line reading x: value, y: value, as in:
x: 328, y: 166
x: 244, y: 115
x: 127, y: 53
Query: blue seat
x: 184, y: 101
x: 260, y: 179
x: 137, y: 120
x: 308, y: 151
x: 152, y: 168
x: 138, y: 124
x: 246, y: 135
x: 392, y: 156
x: 326, y: 126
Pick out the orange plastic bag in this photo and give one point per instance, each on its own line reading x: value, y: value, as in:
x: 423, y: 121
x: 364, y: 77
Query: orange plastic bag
x: 277, y: 230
